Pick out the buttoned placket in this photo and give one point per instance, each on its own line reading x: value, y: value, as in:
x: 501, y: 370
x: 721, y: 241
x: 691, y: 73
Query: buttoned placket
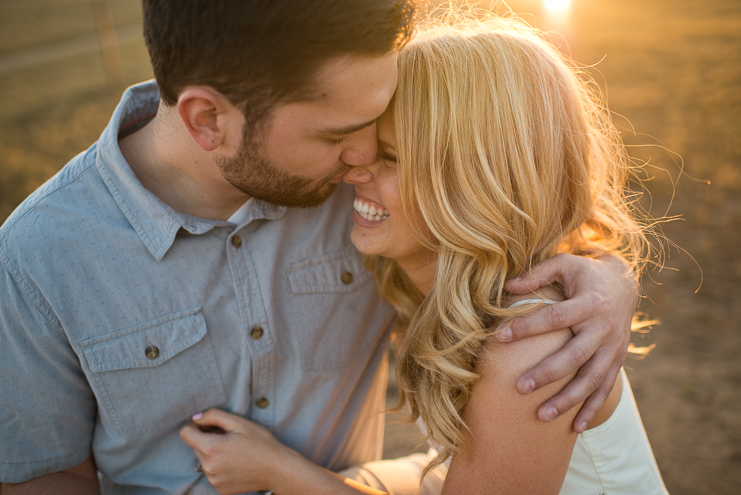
x: 259, y: 338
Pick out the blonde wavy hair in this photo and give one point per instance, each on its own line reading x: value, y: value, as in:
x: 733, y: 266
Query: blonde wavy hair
x: 508, y: 154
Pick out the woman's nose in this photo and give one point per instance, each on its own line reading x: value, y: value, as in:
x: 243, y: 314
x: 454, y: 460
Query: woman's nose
x: 358, y: 175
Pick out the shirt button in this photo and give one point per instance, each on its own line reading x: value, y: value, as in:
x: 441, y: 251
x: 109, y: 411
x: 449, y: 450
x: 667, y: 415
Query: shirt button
x: 346, y: 278
x: 262, y: 403
x: 257, y: 332
x: 237, y: 241
x: 152, y: 352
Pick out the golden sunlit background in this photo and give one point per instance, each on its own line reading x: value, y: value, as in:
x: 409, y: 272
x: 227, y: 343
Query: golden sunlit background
x: 673, y: 77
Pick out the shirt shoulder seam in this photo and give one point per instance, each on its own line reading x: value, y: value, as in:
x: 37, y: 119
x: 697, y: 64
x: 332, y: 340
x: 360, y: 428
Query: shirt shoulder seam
x: 31, y: 206
x: 38, y: 302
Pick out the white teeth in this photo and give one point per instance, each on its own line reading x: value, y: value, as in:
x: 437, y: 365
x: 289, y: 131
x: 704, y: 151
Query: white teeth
x: 369, y: 212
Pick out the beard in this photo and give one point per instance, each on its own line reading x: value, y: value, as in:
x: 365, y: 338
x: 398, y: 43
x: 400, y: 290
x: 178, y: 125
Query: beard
x: 252, y: 173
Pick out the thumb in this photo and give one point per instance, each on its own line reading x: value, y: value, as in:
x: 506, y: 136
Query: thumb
x: 544, y: 273
x: 217, y: 418
x: 192, y: 436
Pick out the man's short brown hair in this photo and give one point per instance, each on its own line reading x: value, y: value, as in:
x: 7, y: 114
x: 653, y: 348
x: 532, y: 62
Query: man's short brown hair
x: 258, y: 52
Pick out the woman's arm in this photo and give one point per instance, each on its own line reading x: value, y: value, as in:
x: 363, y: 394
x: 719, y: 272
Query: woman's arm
x: 509, y: 451
x: 246, y: 457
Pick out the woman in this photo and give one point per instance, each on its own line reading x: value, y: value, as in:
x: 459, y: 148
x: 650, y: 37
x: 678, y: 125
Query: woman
x: 495, y: 155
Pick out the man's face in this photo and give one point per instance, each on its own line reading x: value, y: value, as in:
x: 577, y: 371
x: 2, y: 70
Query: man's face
x: 306, y: 146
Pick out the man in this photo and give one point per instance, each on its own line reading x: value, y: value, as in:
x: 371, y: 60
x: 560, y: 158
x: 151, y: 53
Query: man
x: 198, y: 255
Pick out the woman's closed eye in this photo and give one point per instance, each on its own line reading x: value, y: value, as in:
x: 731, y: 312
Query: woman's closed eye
x: 385, y: 155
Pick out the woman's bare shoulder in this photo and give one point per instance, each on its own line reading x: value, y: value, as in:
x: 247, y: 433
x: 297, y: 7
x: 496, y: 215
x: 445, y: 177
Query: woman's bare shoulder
x: 508, y: 449
x: 506, y: 360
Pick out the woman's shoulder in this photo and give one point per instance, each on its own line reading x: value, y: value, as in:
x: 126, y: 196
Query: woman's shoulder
x: 515, y: 358
x: 503, y: 434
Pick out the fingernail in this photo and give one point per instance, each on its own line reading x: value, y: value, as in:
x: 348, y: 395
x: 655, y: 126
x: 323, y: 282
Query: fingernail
x: 527, y: 385
x: 504, y: 335
x: 582, y: 426
x: 197, y: 416
x: 550, y: 413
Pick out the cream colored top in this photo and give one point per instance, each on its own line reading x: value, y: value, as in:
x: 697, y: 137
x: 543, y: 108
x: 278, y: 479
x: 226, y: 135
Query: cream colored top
x: 613, y: 458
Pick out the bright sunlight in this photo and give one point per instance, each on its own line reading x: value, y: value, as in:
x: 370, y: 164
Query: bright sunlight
x: 557, y: 6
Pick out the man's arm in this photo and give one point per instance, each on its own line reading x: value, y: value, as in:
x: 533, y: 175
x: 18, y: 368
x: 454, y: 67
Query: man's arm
x: 602, y: 295
x: 79, y: 480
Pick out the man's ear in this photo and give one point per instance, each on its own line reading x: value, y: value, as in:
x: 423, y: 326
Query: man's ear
x: 204, y: 112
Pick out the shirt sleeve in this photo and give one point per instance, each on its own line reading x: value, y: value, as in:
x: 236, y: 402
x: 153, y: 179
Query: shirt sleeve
x: 47, y: 409
x: 401, y: 476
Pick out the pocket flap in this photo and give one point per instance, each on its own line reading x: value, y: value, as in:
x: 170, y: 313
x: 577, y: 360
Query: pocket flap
x: 340, y: 272
x: 128, y: 348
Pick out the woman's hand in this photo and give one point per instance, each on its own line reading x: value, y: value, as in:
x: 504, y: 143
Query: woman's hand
x: 245, y: 457
x: 602, y: 296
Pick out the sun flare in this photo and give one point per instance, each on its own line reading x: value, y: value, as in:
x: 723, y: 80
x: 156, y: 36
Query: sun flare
x: 557, y: 6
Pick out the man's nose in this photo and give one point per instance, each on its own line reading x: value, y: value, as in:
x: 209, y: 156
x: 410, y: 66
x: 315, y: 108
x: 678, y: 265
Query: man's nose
x: 361, y: 148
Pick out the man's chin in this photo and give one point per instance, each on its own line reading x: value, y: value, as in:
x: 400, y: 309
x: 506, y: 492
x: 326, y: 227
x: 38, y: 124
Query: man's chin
x: 295, y: 199
x: 316, y: 198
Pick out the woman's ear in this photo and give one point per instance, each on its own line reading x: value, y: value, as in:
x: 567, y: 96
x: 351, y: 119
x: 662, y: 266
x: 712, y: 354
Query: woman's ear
x: 205, y: 113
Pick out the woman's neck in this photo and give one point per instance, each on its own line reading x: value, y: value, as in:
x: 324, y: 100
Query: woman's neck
x: 421, y: 270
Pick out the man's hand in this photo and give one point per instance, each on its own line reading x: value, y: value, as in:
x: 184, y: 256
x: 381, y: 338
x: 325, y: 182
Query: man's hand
x: 602, y: 296
x: 79, y: 480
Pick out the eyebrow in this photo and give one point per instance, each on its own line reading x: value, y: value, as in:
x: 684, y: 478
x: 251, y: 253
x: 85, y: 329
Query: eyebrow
x: 351, y: 129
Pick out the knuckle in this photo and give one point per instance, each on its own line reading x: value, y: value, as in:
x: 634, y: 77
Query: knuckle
x: 595, y: 380
x: 569, y: 403
x: 579, y: 356
x: 546, y: 376
x: 209, y: 450
x: 556, y: 318
x: 597, y: 300
x: 565, y: 403
x: 622, y: 356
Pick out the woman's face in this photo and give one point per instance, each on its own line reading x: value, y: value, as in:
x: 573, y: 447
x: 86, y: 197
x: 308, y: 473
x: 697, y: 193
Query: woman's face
x: 380, y: 227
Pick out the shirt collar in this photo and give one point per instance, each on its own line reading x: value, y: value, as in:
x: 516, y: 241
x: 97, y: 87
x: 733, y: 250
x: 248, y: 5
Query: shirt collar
x: 155, y: 223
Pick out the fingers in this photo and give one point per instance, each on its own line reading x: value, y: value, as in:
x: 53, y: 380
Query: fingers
x: 544, y: 273
x: 192, y: 435
x: 590, y: 378
x: 595, y: 401
x: 568, y: 360
x: 564, y: 314
x: 219, y: 419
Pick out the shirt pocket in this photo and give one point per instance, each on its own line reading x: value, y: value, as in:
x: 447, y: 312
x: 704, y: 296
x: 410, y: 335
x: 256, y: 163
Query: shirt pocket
x: 338, y: 273
x: 155, y: 374
x: 333, y: 317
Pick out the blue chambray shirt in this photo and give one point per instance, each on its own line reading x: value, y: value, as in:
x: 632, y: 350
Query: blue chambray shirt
x: 120, y: 318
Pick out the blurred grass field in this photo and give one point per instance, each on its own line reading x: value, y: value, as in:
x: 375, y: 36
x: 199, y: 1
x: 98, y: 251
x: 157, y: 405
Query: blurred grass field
x: 673, y: 70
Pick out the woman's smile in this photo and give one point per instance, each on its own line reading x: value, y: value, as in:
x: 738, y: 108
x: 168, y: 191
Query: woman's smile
x: 369, y: 211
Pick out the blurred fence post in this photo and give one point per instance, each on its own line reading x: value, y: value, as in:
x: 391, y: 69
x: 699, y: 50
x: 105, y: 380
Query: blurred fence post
x: 108, y: 44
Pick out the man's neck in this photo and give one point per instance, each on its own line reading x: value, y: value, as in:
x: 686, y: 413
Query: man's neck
x: 176, y: 170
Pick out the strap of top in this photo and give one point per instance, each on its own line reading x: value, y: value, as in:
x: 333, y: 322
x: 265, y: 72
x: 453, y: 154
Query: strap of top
x: 532, y: 301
